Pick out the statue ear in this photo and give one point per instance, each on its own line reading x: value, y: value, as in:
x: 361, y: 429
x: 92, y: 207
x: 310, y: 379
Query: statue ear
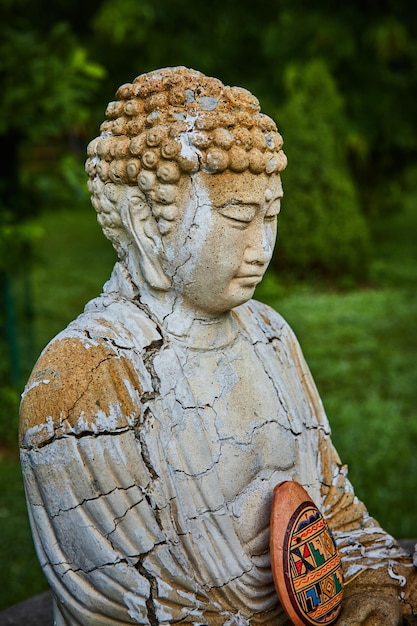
x: 140, y: 222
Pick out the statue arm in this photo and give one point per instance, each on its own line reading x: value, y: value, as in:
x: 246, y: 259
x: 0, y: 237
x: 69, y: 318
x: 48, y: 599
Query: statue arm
x: 82, y: 489
x: 100, y: 534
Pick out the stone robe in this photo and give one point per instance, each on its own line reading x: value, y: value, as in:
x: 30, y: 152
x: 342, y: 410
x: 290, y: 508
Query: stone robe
x: 150, y: 461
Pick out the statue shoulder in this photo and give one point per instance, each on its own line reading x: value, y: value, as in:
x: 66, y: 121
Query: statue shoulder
x: 91, y: 377
x: 259, y: 318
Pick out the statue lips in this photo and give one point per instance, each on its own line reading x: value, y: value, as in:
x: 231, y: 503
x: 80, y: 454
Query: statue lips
x: 254, y: 278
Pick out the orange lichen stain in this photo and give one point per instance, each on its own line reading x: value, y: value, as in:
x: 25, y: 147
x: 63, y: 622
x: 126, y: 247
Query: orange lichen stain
x: 76, y: 388
x: 265, y: 319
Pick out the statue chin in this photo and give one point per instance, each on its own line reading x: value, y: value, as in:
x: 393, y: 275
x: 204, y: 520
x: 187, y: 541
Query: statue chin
x: 156, y: 426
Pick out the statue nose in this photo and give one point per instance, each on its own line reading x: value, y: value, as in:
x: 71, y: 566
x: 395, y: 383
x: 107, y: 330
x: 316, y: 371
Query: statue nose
x: 258, y: 253
x: 260, y: 247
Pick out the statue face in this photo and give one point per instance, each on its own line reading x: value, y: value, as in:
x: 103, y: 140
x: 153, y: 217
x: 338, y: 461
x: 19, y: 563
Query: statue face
x: 220, y: 249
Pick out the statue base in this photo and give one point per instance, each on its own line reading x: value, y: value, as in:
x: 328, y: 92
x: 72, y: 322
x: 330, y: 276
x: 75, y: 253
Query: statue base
x: 36, y: 611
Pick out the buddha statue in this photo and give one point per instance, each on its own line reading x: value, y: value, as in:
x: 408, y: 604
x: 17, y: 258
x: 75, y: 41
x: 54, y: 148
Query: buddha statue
x: 155, y: 427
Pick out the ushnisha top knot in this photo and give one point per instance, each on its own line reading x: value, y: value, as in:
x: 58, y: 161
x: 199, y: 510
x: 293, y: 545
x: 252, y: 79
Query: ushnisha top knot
x: 178, y: 121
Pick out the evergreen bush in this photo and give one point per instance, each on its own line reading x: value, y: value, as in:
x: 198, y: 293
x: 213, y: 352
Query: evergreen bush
x: 322, y: 228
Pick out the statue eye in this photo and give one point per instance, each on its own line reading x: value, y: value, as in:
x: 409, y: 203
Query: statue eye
x: 273, y: 210
x: 240, y: 213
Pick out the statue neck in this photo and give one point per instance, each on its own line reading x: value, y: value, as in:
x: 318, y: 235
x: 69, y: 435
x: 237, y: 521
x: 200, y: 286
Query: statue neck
x: 209, y: 333
x: 191, y: 328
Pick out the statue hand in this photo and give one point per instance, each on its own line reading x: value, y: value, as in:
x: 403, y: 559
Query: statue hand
x: 372, y: 599
x: 370, y: 608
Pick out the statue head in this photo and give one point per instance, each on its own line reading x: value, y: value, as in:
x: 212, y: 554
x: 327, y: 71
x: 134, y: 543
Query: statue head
x: 168, y: 131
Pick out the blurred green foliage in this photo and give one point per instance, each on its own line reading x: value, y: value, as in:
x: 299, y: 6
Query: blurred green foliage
x: 46, y: 81
x: 358, y: 116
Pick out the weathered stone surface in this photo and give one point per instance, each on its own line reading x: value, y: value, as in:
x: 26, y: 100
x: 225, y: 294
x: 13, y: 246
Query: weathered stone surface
x: 156, y: 426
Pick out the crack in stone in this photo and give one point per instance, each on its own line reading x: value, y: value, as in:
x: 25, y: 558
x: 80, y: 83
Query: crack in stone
x: 153, y: 591
x: 232, y: 579
x: 87, y: 500
x: 86, y: 433
x: 281, y: 402
x: 118, y: 519
x: 145, y: 450
x: 148, y: 357
x: 126, y: 561
x: 116, y: 345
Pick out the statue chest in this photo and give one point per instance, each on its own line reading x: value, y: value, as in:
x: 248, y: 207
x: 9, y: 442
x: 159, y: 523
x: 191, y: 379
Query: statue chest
x: 227, y: 413
x: 229, y: 427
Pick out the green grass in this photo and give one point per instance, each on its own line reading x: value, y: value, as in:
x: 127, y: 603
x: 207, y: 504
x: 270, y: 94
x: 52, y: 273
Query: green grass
x: 360, y: 345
